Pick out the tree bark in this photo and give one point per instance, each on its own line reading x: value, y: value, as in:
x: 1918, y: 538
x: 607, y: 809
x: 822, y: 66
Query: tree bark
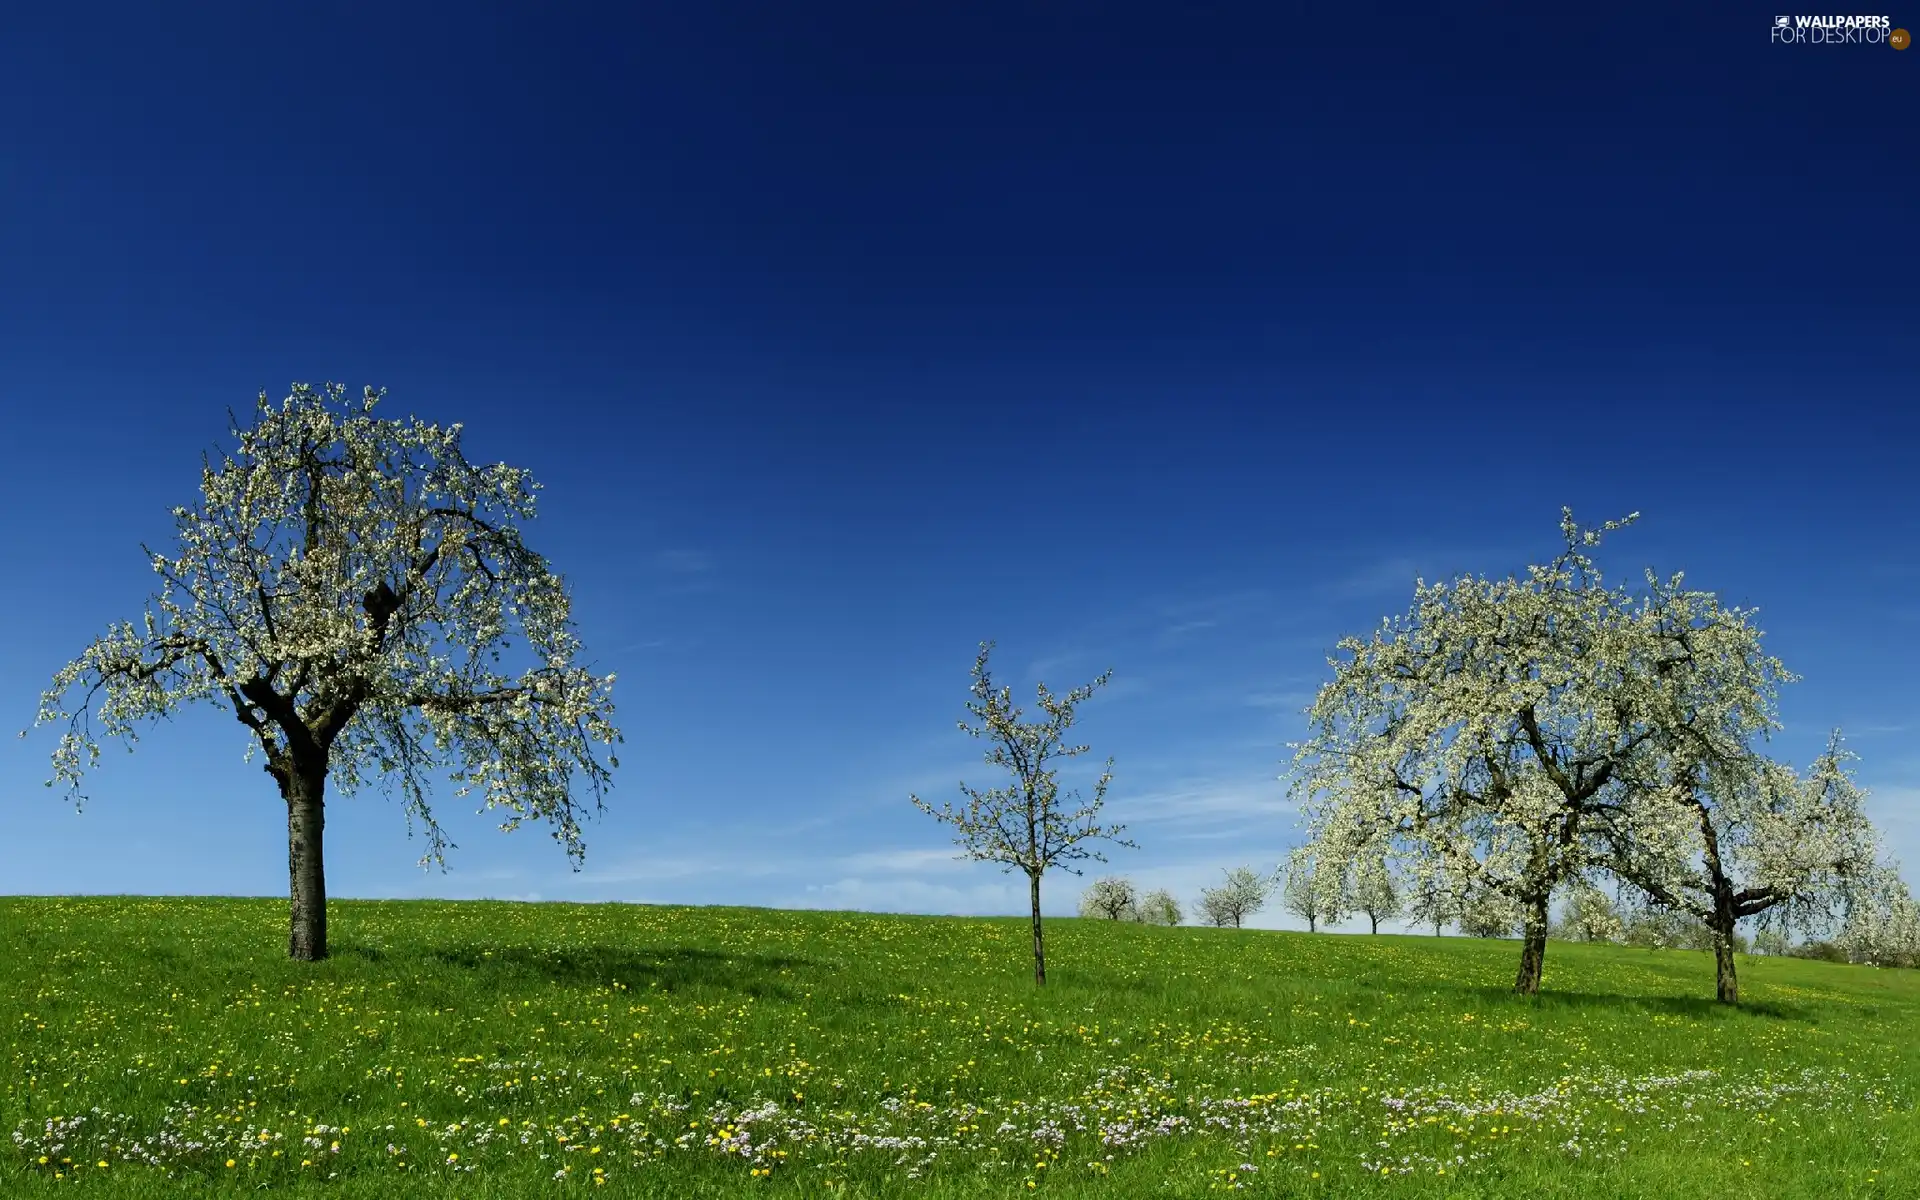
x: 1533, y: 953
x: 1726, y: 983
x: 1311, y: 923
x: 1375, y: 921
x: 305, y: 792
x: 1039, y: 945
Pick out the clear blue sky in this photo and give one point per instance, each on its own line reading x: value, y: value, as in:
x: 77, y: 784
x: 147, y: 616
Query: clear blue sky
x: 1170, y: 338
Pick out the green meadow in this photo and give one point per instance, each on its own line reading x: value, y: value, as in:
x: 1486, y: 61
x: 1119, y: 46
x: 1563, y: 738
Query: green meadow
x: 167, y: 1047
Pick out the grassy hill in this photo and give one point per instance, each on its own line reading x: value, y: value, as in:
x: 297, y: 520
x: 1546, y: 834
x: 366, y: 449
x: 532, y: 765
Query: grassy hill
x: 165, y: 1047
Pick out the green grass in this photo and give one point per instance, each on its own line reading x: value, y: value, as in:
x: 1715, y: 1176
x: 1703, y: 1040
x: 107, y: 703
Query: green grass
x: 678, y: 1051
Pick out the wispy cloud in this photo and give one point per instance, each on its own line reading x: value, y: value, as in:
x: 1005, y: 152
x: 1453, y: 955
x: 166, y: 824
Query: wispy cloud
x: 1259, y: 802
x: 995, y: 894
x: 912, y: 860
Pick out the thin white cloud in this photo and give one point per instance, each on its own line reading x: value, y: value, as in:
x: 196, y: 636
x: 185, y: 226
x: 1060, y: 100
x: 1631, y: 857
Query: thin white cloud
x: 901, y: 861
x: 996, y: 895
x: 1217, y: 801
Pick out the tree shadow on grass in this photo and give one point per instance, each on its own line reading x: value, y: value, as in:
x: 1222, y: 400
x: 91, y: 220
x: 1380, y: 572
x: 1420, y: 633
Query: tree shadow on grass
x: 1698, y: 1008
x: 664, y: 970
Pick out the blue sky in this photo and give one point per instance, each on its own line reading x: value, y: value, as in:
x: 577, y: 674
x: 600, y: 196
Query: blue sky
x: 1171, y: 339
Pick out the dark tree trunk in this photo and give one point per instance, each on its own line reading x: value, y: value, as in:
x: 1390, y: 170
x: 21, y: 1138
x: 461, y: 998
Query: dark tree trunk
x: 305, y: 792
x: 1039, y: 945
x: 1375, y: 922
x: 1533, y: 952
x: 1726, y: 984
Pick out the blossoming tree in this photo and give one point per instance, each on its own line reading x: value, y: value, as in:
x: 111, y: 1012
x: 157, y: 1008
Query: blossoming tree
x: 1241, y: 894
x: 1026, y: 826
x: 1111, y: 898
x: 1524, y: 733
x: 1313, y: 889
x: 345, y: 586
x: 1375, y: 892
x: 1741, y: 836
x: 1479, y: 731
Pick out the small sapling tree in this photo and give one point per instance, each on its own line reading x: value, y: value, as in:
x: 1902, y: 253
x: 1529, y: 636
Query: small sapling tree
x: 344, y: 587
x: 1028, y: 825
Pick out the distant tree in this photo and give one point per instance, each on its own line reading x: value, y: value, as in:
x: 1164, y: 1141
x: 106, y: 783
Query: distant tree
x: 1026, y: 825
x: 1375, y: 892
x: 1111, y: 899
x: 1314, y: 892
x: 1489, y: 913
x: 1432, y: 899
x: 1655, y: 927
x: 1243, y: 894
x: 1158, y: 907
x: 343, y: 586
x: 1590, y: 916
x: 1883, y: 927
x: 1772, y: 942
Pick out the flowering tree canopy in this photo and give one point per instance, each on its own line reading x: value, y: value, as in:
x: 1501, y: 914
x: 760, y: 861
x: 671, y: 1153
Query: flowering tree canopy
x: 1521, y: 734
x: 1739, y: 836
x: 1480, y: 731
x: 345, y: 586
x: 1110, y: 898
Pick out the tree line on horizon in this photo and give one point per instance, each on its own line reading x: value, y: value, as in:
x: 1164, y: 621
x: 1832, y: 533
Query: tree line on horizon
x: 1588, y: 915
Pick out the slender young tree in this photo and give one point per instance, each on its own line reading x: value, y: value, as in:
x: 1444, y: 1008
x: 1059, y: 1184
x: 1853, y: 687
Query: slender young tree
x: 1027, y: 826
x: 345, y: 586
